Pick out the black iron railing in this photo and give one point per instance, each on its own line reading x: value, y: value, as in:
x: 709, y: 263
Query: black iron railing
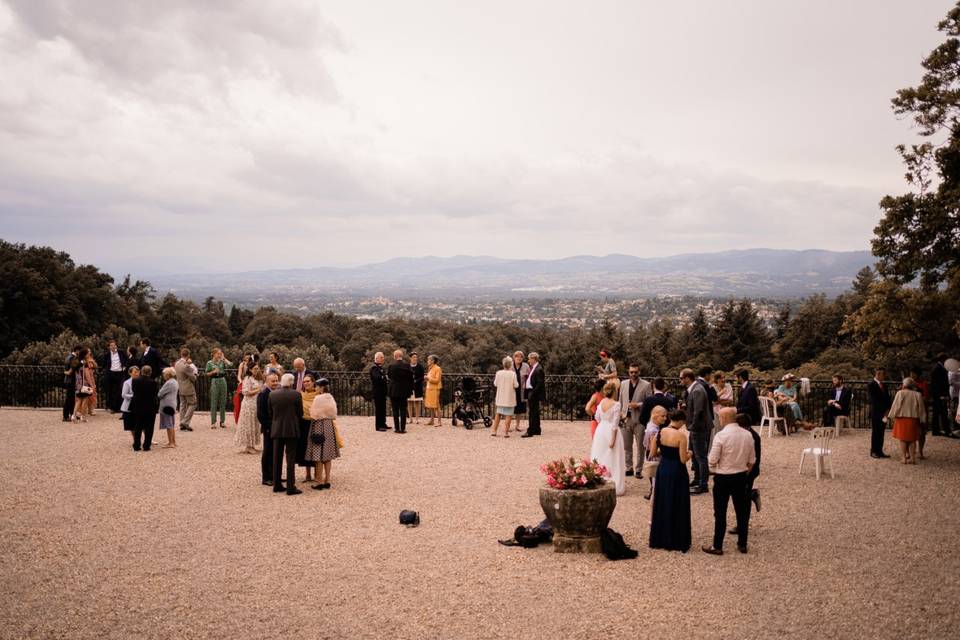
x: 42, y: 387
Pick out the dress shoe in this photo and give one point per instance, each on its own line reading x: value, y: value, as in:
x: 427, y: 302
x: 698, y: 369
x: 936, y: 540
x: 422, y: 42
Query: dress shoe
x: 268, y: 483
x: 879, y: 455
x: 382, y: 429
x: 712, y: 551
x: 293, y: 492
x: 952, y: 435
x: 742, y: 548
x: 698, y: 490
x: 279, y: 488
x: 186, y: 428
x: 528, y: 435
x: 629, y: 472
x: 319, y: 487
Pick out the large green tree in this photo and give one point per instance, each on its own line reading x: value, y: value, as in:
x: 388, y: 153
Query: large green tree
x: 919, y: 235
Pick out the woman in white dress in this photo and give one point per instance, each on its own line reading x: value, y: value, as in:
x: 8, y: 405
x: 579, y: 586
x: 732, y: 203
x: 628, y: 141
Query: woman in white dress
x: 506, y: 401
x: 248, y: 429
x: 607, y: 446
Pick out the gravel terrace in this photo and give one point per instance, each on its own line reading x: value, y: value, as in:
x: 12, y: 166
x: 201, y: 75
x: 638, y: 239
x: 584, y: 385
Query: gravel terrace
x: 99, y: 542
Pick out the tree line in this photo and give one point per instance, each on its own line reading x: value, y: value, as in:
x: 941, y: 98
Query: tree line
x: 49, y: 303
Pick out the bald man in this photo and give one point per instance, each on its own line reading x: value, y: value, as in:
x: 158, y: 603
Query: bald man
x: 731, y: 458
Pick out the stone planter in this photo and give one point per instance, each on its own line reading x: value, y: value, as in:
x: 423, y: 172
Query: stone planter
x: 578, y: 516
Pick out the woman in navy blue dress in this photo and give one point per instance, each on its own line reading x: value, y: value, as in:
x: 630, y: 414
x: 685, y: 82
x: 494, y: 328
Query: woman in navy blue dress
x: 670, y: 524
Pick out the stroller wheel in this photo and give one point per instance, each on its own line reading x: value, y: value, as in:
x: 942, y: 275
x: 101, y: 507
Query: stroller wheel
x: 453, y: 420
x: 487, y: 421
x: 467, y: 423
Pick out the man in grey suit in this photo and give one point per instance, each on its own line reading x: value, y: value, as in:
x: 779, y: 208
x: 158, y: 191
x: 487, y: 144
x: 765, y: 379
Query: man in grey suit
x: 187, y: 383
x: 633, y: 391
x: 699, y: 424
x: 286, y: 409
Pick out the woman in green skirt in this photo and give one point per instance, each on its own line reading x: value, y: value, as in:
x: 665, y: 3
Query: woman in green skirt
x: 217, y: 371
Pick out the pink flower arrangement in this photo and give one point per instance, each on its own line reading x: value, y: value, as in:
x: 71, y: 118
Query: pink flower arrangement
x: 574, y: 474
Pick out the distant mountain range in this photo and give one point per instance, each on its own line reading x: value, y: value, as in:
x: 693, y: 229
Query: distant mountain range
x: 749, y: 272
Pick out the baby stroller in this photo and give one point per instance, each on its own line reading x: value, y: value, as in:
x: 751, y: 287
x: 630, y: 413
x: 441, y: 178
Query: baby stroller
x: 470, y: 401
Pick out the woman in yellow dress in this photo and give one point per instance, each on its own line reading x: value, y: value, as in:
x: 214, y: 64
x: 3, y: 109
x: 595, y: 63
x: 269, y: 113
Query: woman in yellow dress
x: 431, y: 399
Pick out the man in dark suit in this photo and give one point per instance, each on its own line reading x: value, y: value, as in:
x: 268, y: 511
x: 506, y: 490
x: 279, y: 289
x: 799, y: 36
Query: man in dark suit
x: 71, y: 365
x: 266, y: 427
x: 659, y: 398
x: 940, y: 422
x: 880, y: 403
x: 536, y: 393
x: 839, y: 404
x: 113, y: 364
x: 748, y: 401
x: 144, y: 407
x: 151, y: 358
x: 286, y: 409
x: 400, y: 376
x: 699, y: 424
x: 378, y: 381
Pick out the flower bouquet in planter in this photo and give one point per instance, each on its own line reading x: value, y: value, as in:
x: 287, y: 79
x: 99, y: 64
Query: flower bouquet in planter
x: 575, y: 474
x: 578, y: 501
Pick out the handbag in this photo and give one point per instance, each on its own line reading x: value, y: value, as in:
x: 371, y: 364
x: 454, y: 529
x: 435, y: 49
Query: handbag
x: 317, y: 439
x: 336, y: 433
x: 649, y: 469
x: 168, y: 411
x: 86, y: 390
x: 409, y: 518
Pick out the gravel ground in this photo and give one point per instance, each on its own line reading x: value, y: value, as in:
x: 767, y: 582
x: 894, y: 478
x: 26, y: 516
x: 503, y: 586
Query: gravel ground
x: 99, y: 542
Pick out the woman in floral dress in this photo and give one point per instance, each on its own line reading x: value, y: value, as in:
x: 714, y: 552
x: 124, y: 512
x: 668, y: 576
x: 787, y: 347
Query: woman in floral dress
x: 248, y: 429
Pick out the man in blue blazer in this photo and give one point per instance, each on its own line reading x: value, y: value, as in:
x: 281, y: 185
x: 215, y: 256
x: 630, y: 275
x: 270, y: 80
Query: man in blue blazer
x: 839, y: 404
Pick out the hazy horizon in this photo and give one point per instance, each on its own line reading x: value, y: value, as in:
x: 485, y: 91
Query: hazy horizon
x: 188, y: 137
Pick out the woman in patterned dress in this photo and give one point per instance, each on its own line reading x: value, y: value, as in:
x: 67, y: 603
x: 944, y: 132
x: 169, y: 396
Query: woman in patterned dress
x: 248, y: 429
x: 322, y: 445
x: 217, y: 370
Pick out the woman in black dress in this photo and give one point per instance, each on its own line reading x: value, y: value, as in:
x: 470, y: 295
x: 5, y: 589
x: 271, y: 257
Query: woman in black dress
x: 415, y: 404
x: 670, y: 524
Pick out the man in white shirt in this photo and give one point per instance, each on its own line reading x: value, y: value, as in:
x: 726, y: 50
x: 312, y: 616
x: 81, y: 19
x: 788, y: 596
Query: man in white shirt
x: 114, y: 365
x: 731, y: 458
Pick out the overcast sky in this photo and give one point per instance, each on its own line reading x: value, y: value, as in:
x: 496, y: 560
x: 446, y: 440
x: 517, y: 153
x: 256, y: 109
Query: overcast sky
x: 183, y: 135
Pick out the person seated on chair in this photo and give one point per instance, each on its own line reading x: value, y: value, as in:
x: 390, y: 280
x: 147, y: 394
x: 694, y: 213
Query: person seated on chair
x: 839, y: 404
x: 786, y: 398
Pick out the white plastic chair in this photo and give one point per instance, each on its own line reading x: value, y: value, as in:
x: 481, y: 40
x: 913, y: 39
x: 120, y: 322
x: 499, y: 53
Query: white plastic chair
x: 821, y: 447
x: 841, y: 422
x: 770, y: 417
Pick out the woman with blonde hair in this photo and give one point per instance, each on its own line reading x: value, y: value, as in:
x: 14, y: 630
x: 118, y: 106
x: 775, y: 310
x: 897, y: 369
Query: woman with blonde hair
x: 607, y: 446
x: 167, y: 399
x: 431, y: 398
x: 322, y: 446
x: 506, y: 383
x: 908, y: 414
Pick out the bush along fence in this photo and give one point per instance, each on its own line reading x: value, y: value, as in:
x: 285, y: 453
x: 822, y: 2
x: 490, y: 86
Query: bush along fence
x: 42, y: 387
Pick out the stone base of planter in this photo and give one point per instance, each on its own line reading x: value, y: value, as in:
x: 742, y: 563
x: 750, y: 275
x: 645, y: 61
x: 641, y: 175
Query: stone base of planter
x: 569, y: 544
x: 578, y: 516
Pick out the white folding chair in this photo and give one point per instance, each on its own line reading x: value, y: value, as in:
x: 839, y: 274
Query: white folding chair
x: 770, y: 417
x: 841, y: 422
x: 821, y: 447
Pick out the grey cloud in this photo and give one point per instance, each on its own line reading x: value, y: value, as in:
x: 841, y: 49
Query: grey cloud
x: 141, y: 43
